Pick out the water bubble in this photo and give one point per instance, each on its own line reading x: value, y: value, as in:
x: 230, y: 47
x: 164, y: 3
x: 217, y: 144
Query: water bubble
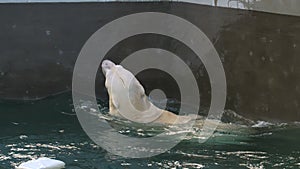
x: 251, y: 53
x: 60, y: 52
x: 23, y: 137
x: 48, y: 32
x: 264, y: 39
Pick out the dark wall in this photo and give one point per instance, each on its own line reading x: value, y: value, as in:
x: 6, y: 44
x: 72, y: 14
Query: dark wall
x: 39, y: 44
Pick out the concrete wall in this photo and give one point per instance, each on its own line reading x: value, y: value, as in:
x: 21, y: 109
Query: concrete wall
x: 39, y: 44
x: 286, y: 7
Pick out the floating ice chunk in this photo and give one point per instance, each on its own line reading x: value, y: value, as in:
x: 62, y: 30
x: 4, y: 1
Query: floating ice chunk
x: 42, y: 163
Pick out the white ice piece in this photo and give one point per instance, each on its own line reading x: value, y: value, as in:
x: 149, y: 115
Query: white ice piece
x: 42, y: 163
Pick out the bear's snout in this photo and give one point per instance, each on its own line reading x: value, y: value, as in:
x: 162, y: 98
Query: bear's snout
x: 107, y: 65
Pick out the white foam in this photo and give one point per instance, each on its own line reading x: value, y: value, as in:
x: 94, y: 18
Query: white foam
x: 262, y: 124
x: 42, y: 163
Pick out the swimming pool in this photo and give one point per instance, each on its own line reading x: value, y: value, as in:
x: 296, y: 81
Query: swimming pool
x: 40, y: 43
x: 57, y: 134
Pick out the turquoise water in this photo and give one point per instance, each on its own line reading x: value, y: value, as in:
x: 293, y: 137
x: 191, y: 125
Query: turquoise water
x: 50, y: 128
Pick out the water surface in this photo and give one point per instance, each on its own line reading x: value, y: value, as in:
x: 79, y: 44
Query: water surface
x: 50, y: 128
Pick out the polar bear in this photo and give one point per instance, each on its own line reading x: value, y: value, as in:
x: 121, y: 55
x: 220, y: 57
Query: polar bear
x: 127, y: 98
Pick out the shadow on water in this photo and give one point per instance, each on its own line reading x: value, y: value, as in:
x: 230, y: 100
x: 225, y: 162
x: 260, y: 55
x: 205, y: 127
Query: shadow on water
x: 50, y: 128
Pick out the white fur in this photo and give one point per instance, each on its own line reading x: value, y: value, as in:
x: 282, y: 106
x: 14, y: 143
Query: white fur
x: 127, y: 98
